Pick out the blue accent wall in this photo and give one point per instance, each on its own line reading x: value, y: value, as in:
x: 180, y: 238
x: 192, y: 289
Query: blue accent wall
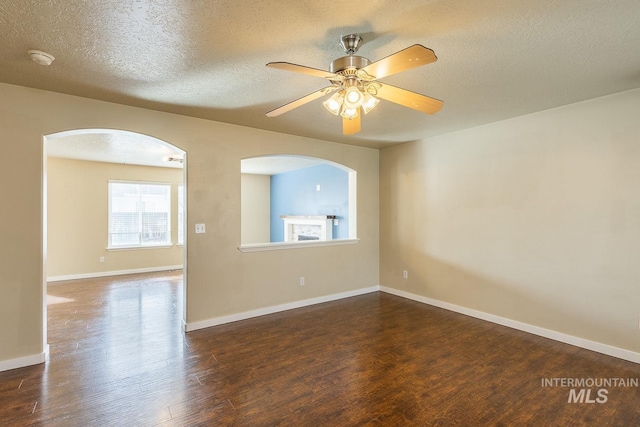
x: 294, y: 193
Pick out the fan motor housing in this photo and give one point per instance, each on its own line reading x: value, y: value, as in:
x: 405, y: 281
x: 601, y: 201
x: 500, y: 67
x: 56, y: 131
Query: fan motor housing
x: 350, y: 61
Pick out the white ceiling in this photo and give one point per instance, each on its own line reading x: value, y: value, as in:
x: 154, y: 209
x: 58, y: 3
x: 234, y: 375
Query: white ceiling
x: 497, y: 58
x: 114, y: 147
x: 272, y: 165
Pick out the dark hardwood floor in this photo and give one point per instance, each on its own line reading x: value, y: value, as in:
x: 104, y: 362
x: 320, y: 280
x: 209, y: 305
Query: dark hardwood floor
x: 119, y: 358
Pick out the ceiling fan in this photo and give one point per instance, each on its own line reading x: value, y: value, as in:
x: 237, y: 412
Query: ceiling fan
x: 355, y: 85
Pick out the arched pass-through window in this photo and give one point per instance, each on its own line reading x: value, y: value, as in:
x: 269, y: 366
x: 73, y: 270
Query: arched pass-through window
x: 296, y: 201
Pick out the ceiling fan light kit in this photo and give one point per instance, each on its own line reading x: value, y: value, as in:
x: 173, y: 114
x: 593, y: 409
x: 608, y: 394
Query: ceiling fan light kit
x: 354, y: 79
x: 369, y: 102
x: 334, y: 104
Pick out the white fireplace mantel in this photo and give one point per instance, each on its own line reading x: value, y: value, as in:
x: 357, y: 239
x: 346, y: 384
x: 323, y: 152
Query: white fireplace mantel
x: 307, y: 227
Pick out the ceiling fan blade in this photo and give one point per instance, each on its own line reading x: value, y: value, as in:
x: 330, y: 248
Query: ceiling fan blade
x: 301, y: 101
x: 305, y: 70
x: 411, y: 57
x: 408, y: 99
x: 351, y: 126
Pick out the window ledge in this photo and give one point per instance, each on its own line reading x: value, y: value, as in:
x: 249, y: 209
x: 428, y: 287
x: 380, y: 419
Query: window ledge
x: 129, y: 248
x: 260, y: 247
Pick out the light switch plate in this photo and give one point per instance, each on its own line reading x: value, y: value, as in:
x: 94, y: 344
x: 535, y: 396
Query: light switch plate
x: 200, y: 228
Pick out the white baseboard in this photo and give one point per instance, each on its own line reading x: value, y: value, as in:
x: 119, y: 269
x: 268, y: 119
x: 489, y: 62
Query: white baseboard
x: 188, y: 327
x: 525, y: 327
x: 113, y: 273
x: 21, y: 362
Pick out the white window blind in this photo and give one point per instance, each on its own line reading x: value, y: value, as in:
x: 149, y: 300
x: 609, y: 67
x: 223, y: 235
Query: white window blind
x: 181, y: 214
x: 139, y: 214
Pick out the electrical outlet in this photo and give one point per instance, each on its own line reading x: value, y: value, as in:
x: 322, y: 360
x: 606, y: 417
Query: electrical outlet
x: 405, y: 274
x: 200, y: 229
x: 301, y: 281
x: 101, y: 259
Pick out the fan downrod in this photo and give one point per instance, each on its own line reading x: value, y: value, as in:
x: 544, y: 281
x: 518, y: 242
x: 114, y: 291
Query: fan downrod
x: 350, y: 43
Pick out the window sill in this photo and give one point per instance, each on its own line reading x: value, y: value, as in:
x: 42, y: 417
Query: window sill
x: 260, y: 247
x: 129, y: 248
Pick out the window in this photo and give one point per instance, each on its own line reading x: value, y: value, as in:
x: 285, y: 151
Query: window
x: 139, y: 214
x: 181, y: 214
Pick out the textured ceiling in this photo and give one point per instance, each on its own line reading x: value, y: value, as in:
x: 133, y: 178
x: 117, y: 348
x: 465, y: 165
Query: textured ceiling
x: 496, y: 59
x: 114, y: 147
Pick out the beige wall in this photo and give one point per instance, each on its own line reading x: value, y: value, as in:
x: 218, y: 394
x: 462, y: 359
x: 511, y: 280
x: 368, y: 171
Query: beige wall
x: 77, y: 218
x: 534, y: 219
x: 256, y: 208
x: 220, y: 279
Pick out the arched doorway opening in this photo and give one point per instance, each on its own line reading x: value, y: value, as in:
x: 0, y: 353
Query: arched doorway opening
x: 89, y: 218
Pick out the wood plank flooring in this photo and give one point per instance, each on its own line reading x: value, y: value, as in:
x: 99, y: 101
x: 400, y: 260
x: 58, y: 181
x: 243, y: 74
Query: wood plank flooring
x: 118, y: 357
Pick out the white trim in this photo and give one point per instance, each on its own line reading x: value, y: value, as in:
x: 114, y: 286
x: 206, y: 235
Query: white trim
x: 188, y: 327
x: 113, y: 273
x: 133, y: 181
x: 135, y: 248
x: 620, y: 353
x: 259, y: 247
x: 21, y: 362
x: 353, y: 204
